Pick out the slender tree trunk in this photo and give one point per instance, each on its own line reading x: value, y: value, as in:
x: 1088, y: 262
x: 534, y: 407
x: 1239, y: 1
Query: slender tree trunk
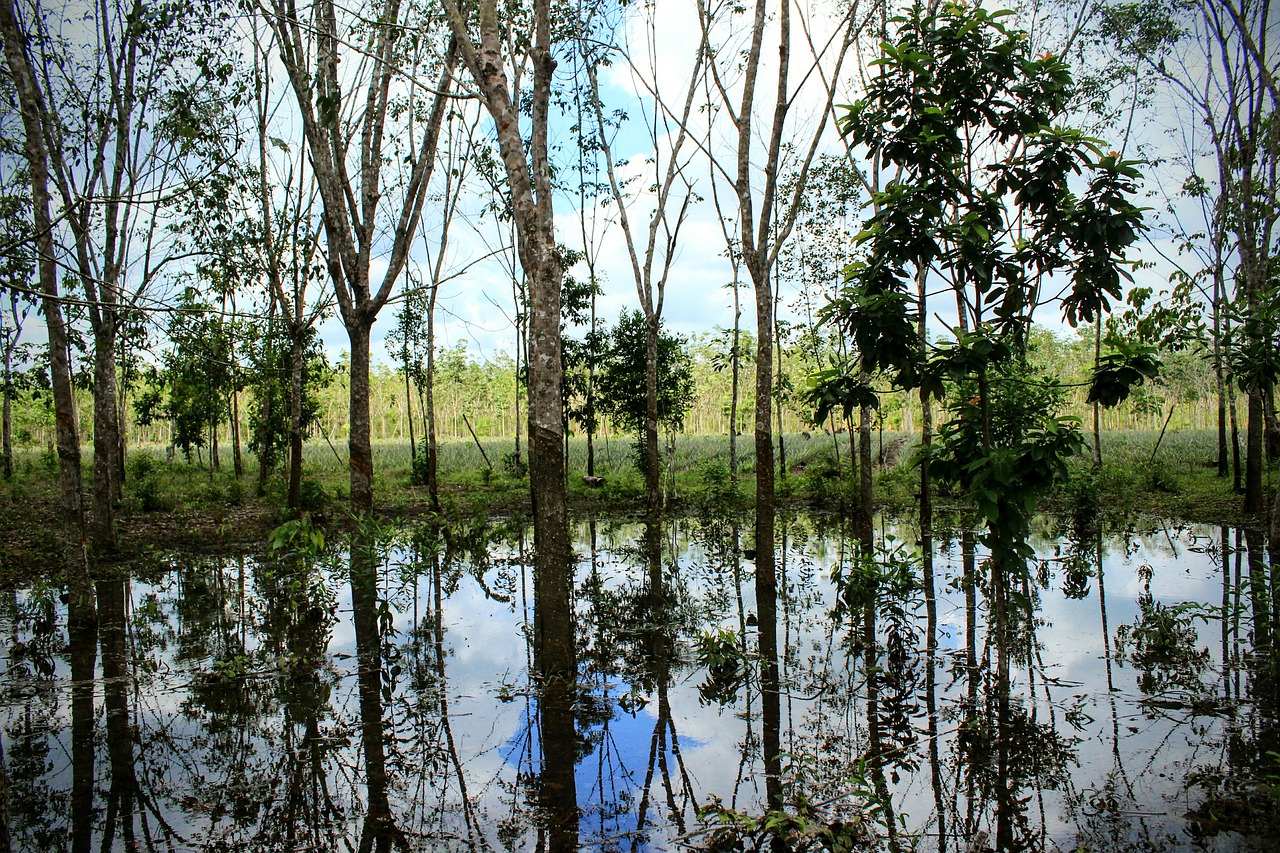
x: 408, y: 410
x: 1218, y: 372
x: 766, y: 564
x: 359, y: 438
x: 591, y: 390
x: 6, y: 429
x: 866, y: 493
x: 652, y: 460
x: 1253, y: 497
x: 1097, y: 416
x: 433, y: 450
x: 777, y: 381
x: 122, y: 418
x: 106, y: 435
x: 735, y: 364
x: 268, y: 403
x: 297, y: 358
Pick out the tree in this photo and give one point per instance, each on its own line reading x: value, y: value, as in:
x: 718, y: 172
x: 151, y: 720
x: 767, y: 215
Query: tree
x: 126, y: 90
x: 529, y: 182
x: 983, y: 197
x: 530, y: 187
x: 1220, y: 56
x: 624, y: 395
x: 36, y: 151
x: 357, y: 213
x: 193, y: 389
x: 764, y: 221
x: 663, y: 222
x: 18, y: 302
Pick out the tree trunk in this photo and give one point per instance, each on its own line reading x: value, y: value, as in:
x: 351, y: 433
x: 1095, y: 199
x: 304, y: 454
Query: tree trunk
x: 297, y: 358
x: 530, y: 182
x: 1218, y: 372
x: 652, y: 461
x: 408, y: 411
x: 766, y: 564
x: 264, y: 420
x: 433, y: 483
x: 866, y: 530
x: 735, y: 364
x: 1253, y: 497
x: 1097, y: 412
x: 106, y: 433
x: 237, y: 462
x: 6, y: 429
x: 359, y: 439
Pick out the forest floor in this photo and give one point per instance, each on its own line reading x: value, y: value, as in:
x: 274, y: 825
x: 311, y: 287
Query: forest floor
x: 182, y: 506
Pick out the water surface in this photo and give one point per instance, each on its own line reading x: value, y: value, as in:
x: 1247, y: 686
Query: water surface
x: 391, y: 699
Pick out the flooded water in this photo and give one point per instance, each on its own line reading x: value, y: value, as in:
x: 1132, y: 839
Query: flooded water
x: 314, y: 700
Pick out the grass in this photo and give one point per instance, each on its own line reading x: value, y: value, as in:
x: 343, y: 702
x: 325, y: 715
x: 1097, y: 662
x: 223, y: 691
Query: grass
x: 1180, y: 480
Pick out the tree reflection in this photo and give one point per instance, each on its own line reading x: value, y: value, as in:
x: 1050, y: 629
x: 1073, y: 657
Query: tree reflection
x: 372, y: 622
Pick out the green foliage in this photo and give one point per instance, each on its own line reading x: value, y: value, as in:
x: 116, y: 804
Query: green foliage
x: 297, y: 537
x: 1007, y: 457
x: 622, y: 379
x: 722, y: 654
x: 269, y: 347
x: 860, y: 823
x: 837, y: 387
x: 1117, y: 373
x: 313, y: 496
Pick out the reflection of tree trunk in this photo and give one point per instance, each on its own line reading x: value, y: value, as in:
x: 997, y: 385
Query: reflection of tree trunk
x: 1005, y: 804
x: 82, y: 631
x: 767, y: 605
x: 969, y: 726
x: 1236, y: 610
x: 1224, y: 550
x: 931, y: 663
x: 5, y: 843
x: 659, y: 656
x: 557, y: 789
x: 1259, y: 593
x: 116, y: 679
x: 437, y: 627
x: 379, y: 831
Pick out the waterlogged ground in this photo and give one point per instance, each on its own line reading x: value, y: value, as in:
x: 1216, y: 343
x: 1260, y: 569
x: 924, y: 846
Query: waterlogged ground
x: 314, y: 701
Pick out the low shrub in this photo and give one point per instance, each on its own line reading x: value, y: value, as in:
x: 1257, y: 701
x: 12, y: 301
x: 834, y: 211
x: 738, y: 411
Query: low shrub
x: 313, y: 496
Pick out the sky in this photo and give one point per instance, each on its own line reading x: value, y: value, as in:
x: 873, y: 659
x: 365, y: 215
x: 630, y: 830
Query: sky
x: 475, y: 303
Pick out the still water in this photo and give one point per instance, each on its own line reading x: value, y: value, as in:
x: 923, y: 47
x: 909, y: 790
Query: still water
x: 312, y: 700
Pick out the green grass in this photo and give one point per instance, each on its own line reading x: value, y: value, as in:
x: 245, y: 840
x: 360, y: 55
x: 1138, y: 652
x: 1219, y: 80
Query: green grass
x: 1181, y: 481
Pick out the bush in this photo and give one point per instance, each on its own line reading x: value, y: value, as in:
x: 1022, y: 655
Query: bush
x: 1080, y: 492
x: 418, y: 468
x: 141, y: 465
x: 312, y: 495
x: 712, y: 484
x: 149, y: 495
